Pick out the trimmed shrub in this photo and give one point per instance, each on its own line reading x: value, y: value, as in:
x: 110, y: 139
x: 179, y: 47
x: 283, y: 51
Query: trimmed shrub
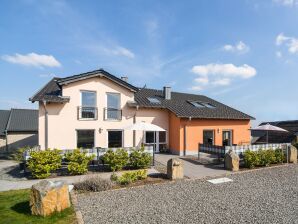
x: 251, y: 159
x: 94, y: 184
x: 267, y: 157
x: 42, y: 163
x: 140, y: 159
x: 131, y: 176
x: 116, y: 160
x: 263, y: 157
x: 279, y: 156
x: 78, y: 162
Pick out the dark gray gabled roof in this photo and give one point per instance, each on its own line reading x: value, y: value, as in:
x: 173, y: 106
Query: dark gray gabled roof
x: 52, y: 91
x: 4, y: 116
x: 23, y: 120
x: 180, y: 105
x: 18, y: 120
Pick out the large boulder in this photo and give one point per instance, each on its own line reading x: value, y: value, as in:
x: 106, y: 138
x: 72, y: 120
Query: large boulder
x: 292, y: 154
x: 48, y: 197
x: 232, y: 161
x: 175, y: 169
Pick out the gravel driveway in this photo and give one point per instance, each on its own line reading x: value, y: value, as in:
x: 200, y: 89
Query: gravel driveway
x: 263, y: 196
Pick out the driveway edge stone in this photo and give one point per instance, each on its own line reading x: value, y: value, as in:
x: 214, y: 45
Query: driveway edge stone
x: 74, y: 201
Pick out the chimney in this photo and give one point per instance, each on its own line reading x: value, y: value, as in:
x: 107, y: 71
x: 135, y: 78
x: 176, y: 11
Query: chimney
x: 167, y: 92
x: 124, y: 78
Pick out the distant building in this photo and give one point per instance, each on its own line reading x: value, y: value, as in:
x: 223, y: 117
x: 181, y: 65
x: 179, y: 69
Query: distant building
x: 18, y: 128
x: 259, y: 137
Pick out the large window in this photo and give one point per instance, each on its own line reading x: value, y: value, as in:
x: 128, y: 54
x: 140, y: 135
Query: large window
x: 88, y: 109
x: 227, y: 138
x: 85, y: 139
x: 113, y: 111
x: 115, y: 139
x: 208, y: 137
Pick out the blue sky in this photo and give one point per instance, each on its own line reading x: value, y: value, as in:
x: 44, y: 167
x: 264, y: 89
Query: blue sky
x: 241, y: 52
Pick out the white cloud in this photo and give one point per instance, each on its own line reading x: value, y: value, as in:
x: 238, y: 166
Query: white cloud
x: 32, y: 59
x: 120, y: 51
x: 220, y: 74
x: 290, y: 42
x: 228, y: 70
x: 239, y: 47
x: 290, y: 3
x: 221, y: 82
x: 280, y: 39
x: 202, y: 80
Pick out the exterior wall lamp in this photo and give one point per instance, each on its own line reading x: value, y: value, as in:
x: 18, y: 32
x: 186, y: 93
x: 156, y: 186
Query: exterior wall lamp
x: 100, y: 130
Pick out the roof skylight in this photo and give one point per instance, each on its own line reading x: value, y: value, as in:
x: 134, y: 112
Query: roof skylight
x: 199, y: 104
x: 153, y: 100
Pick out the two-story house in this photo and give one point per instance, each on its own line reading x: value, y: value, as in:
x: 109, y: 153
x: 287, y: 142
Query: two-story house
x: 91, y: 110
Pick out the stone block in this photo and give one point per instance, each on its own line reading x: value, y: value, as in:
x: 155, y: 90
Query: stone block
x: 48, y: 197
x: 175, y: 169
x: 232, y: 161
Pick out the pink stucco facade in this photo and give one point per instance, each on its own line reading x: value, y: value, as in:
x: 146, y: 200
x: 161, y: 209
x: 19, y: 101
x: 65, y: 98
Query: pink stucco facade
x: 63, y: 117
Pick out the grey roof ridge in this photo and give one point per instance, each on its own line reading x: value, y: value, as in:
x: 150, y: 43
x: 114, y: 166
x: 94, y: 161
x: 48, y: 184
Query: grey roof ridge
x: 38, y: 91
x: 95, y: 72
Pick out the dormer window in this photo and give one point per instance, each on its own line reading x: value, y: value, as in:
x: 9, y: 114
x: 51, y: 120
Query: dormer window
x: 199, y: 104
x: 153, y: 100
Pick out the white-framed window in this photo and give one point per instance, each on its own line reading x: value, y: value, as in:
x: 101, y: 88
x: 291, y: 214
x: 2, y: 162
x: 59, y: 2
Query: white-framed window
x: 88, y: 109
x: 113, y: 110
x: 85, y: 138
x: 115, y: 138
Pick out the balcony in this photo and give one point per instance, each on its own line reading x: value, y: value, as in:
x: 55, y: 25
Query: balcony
x: 87, y: 113
x: 112, y: 114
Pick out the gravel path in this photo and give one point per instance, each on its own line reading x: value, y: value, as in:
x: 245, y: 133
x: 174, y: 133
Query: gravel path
x: 263, y: 196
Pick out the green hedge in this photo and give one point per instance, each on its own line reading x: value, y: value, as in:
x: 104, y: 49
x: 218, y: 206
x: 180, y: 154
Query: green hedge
x: 42, y: 163
x: 116, y: 160
x: 78, y: 161
x: 138, y: 159
x: 263, y: 157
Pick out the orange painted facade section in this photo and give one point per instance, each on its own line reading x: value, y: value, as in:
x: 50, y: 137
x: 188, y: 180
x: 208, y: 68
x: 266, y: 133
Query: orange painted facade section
x: 194, y: 132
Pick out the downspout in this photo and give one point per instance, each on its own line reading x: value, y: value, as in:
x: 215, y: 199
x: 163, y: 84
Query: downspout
x: 45, y: 124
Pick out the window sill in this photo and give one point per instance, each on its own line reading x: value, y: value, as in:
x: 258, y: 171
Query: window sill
x: 113, y: 120
x: 87, y: 119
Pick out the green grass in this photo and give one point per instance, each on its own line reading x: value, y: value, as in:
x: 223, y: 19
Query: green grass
x: 14, y: 208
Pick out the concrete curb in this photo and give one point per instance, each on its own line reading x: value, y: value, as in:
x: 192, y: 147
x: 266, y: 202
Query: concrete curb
x: 74, y: 201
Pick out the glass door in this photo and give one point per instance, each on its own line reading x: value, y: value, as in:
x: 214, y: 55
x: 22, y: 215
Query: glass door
x: 157, y: 139
x: 227, y: 138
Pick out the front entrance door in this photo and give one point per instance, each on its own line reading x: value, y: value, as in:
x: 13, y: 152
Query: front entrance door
x: 157, y: 139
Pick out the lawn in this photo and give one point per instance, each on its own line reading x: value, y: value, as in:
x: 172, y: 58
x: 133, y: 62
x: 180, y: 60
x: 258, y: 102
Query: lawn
x: 14, y: 208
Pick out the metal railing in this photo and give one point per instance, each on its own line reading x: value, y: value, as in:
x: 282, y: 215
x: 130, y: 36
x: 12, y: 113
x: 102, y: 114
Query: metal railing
x: 112, y: 114
x: 87, y: 113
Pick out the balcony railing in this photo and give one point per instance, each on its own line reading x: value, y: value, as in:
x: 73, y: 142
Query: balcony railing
x: 112, y: 114
x: 87, y: 113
